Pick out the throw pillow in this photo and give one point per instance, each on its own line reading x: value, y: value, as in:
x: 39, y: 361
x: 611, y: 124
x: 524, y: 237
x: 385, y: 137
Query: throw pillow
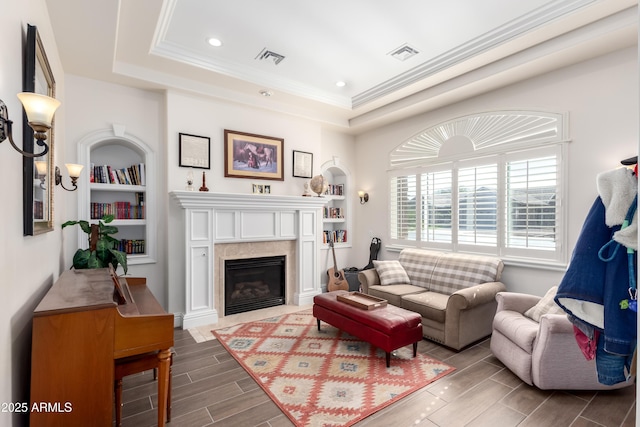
x: 544, y: 306
x: 391, y: 273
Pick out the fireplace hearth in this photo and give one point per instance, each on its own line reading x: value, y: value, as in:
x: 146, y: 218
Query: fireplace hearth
x: 254, y: 283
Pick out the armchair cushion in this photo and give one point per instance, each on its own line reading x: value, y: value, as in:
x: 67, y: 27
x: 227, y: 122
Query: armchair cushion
x: 391, y: 273
x: 521, y: 330
x: 546, y: 305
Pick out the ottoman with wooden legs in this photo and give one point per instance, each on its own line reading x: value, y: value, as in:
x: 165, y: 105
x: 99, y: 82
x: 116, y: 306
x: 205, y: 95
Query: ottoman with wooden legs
x: 388, y: 328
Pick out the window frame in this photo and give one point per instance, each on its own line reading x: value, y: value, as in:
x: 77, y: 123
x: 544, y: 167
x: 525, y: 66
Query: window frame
x: 554, y: 259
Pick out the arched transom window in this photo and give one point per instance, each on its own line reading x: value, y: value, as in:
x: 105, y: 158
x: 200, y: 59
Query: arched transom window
x: 485, y: 183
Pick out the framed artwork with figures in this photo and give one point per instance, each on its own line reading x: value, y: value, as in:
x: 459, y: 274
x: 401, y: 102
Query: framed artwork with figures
x: 253, y: 156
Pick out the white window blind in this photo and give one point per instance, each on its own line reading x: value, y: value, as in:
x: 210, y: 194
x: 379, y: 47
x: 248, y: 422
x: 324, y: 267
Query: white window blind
x: 531, y: 216
x: 478, y: 205
x: 402, y: 207
x: 436, y: 205
x: 507, y: 205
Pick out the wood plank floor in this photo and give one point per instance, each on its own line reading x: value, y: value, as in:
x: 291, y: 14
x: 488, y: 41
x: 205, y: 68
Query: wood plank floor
x: 211, y: 389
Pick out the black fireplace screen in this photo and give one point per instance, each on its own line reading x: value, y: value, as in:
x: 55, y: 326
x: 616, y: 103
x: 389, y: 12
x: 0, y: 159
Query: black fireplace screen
x: 253, y: 283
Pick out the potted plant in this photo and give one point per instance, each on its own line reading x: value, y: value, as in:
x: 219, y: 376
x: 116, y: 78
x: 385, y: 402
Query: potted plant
x: 102, y: 247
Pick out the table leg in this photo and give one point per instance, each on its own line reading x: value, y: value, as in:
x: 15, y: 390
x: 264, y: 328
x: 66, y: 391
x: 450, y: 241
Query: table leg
x: 164, y: 356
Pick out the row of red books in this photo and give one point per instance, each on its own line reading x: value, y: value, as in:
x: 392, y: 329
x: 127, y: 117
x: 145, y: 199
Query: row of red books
x: 120, y: 210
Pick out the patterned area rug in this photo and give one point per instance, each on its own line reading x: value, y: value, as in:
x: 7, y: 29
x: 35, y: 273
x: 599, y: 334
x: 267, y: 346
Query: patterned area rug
x: 327, y: 377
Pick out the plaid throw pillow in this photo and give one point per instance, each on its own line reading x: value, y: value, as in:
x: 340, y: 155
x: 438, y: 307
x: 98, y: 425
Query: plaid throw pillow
x: 391, y: 273
x: 544, y: 306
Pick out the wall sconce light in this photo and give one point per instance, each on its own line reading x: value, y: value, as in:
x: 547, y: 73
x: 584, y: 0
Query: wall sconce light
x: 40, y: 110
x: 41, y: 168
x: 364, y: 197
x: 74, y: 173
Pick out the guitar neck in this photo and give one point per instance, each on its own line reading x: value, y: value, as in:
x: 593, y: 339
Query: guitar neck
x: 335, y: 263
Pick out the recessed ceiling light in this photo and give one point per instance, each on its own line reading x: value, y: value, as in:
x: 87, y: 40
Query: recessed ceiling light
x: 266, y: 93
x: 214, y: 42
x: 341, y: 83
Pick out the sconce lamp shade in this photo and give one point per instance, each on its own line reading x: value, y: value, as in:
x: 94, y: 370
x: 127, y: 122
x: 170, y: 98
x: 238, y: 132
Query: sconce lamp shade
x: 39, y: 108
x: 74, y: 169
x: 41, y: 167
x: 364, y: 197
x: 74, y: 173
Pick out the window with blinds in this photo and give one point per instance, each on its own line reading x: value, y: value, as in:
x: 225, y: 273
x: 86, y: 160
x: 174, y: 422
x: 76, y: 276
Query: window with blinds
x: 504, y: 204
x: 436, y: 205
x: 478, y: 205
x: 532, y: 190
x: 403, y: 207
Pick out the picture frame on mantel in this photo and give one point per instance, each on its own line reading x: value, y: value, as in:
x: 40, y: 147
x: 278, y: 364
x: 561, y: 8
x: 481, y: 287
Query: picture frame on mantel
x: 302, y: 164
x: 194, y: 151
x: 248, y: 155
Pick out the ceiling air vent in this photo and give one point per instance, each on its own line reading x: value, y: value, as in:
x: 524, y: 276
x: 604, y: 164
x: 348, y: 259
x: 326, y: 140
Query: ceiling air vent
x: 404, y: 52
x: 267, y: 55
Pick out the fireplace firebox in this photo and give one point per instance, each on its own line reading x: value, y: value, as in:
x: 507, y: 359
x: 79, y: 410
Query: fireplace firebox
x: 253, y: 283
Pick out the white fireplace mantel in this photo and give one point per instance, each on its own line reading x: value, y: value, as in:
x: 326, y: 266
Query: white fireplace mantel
x: 212, y: 218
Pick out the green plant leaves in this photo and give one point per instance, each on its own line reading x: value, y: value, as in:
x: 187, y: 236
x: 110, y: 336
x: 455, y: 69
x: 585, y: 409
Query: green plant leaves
x: 105, y: 244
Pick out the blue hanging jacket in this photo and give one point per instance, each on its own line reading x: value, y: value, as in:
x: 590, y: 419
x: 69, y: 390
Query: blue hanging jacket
x: 592, y: 288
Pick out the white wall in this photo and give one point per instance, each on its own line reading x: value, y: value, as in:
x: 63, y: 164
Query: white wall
x: 197, y: 115
x: 29, y: 264
x: 93, y: 106
x: 601, y: 97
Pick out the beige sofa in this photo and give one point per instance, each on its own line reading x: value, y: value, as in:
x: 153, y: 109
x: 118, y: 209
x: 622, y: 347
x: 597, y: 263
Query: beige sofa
x: 454, y: 293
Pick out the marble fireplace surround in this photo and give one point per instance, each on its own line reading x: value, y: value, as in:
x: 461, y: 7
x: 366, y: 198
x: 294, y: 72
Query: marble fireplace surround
x: 220, y: 226
x: 232, y: 251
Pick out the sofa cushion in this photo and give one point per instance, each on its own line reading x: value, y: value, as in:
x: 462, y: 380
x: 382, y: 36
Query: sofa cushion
x: 394, y: 293
x: 519, y: 329
x: 544, y: 306
x: 419, y: 265
x: 455, y: 271
x: 431, y: 305
x: 391, y: 273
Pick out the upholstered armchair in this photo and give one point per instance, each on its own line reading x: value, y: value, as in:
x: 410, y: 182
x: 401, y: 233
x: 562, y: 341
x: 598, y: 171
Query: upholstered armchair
x: 545, y: 353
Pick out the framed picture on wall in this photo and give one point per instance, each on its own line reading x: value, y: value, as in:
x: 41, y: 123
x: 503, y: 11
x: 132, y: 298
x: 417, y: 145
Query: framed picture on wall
x: 194, y: 151
x: 302, y: 164
x: 253, y: 156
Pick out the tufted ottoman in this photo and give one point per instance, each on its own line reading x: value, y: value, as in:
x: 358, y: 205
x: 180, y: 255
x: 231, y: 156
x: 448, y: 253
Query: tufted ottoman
x: 387, y: 328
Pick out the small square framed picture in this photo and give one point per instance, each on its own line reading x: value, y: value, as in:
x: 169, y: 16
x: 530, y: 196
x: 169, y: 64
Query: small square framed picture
x: 302, y: 164
x: 194, y: 151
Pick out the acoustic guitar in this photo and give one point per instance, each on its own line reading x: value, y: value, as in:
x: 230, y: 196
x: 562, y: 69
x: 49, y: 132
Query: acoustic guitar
x: 337, y: 281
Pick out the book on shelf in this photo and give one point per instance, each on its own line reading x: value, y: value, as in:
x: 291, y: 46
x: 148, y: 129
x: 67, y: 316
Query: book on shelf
x: 332, y: 213
x: 106, y: 174
x: 120, y: 210
x: 335, y: 190
x: 132, y: 246
x: 335, y: 236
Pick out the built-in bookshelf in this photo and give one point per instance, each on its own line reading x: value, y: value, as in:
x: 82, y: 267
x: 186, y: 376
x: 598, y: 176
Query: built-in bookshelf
x: 119, y: 184
x: 335, y: 215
